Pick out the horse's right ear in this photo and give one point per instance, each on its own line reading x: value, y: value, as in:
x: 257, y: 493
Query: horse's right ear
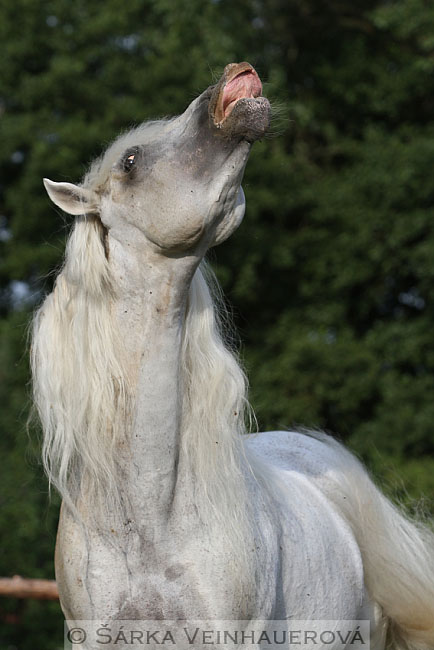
x: 73, y: 199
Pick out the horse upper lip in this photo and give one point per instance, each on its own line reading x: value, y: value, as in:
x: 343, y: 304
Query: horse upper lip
x: 224, y: 99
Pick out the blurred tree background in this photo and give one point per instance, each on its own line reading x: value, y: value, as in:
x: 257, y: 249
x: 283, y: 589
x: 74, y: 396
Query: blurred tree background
x: 331, y: 274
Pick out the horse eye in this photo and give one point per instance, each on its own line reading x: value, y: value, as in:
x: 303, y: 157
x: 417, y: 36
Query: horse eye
x: 129, y: 162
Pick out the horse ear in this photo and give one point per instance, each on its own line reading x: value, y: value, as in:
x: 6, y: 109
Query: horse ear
x: 73, y: 199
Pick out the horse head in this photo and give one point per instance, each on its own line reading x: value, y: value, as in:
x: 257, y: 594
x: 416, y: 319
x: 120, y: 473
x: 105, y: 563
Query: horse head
x: 177, y: 181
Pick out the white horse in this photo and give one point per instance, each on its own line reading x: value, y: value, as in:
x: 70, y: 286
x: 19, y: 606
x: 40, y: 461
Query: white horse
x: 169, y: 512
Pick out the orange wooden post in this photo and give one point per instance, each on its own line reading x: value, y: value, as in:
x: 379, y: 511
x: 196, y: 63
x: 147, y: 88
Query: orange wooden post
x: 18, y: 587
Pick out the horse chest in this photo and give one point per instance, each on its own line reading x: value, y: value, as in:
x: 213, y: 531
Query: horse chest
x: 129, y: 576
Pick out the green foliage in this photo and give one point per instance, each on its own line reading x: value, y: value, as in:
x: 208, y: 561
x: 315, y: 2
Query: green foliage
x: 27, y: 522
x: 331, y: 274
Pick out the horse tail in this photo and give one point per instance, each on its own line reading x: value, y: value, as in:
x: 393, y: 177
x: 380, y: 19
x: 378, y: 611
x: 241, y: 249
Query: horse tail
x: 397, y: 550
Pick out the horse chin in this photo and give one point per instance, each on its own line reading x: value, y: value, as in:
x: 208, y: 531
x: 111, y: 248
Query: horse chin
x: 249, y: 119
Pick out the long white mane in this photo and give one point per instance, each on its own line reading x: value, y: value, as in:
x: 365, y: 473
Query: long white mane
x: 82, y: 393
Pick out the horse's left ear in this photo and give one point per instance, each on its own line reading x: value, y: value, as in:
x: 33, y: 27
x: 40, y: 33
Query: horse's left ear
x: 73, y: 199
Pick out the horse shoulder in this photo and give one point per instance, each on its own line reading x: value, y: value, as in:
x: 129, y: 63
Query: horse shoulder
x: 316, y: 541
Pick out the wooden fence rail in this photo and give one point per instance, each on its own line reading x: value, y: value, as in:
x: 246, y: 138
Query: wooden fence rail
x: 18, y: 587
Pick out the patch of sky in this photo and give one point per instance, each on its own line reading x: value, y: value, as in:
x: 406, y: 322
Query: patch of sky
x: 21, y: 295
x: 127, y: 43
x: 412, y: 298
x: 5, y: 233
x: 17, y: 157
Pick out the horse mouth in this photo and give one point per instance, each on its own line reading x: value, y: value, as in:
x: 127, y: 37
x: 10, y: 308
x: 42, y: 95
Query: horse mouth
x: 237, y: 101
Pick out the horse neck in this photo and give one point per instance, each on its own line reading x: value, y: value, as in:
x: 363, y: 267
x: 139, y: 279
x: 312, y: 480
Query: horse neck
x: 150, y: 309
